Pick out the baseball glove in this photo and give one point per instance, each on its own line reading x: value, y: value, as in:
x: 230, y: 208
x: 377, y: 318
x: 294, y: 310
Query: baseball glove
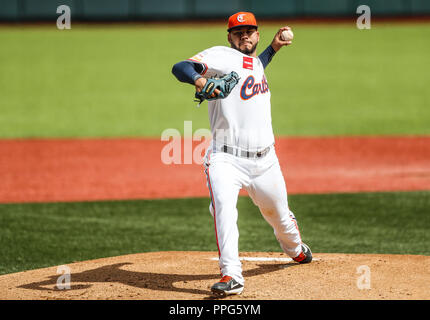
x: 224, y: 84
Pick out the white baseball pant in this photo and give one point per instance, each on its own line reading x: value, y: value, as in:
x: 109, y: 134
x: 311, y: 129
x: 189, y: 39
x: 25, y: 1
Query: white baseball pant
x: 262, y: 178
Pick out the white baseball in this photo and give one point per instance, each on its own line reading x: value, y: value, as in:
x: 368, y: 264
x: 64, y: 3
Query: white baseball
x: 287, y: 35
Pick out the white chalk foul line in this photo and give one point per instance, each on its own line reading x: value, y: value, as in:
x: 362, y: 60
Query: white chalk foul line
x: 265, y: 259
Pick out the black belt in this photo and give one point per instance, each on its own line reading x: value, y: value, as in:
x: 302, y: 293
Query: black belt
x: 245, y: 153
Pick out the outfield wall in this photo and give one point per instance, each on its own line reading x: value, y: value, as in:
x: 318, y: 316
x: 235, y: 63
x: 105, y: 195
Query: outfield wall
x: 147, y: 10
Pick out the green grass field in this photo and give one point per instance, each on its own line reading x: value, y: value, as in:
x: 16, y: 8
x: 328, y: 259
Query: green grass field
x: 109, y: 81
x: 46, y: 234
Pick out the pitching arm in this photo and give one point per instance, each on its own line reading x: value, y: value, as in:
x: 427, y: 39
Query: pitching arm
x: 267, y: 55
x: 277, y: 42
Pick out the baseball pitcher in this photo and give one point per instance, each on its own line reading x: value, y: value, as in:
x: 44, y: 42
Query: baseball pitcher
x: 242, y: 152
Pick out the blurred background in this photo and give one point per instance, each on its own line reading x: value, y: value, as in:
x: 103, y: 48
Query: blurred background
x: 104, y: 79
x: 150, y: 10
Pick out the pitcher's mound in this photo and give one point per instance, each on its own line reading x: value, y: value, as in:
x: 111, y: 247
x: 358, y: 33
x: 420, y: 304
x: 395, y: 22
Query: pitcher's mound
x: 189, y: 275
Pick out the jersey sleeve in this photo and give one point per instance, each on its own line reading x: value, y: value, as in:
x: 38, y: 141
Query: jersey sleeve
x: 267, y: 55
x: 211, y: 62
x: 187, y: 71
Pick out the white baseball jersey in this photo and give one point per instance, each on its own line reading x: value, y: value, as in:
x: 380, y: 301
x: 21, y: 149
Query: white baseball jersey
x: 243, y: 119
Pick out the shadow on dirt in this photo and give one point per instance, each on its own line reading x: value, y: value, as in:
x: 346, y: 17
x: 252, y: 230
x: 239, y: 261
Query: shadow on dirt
x: 145, y: 280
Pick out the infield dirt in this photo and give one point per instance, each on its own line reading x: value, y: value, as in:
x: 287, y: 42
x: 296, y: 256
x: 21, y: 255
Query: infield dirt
x: 117, y: 169
x: 189, y: 275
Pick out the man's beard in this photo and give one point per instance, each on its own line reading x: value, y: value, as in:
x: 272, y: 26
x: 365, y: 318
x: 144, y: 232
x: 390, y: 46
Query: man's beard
x: 246, y: 51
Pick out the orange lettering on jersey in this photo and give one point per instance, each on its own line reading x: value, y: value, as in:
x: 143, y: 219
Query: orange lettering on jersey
x: 250, y: 88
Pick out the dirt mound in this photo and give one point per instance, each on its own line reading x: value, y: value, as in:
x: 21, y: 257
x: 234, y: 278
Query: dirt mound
x: 189, y: 275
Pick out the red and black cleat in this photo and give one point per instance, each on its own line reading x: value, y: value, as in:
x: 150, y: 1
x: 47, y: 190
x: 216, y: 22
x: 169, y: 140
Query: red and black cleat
x: 227, y: 286
x: 305, y: 256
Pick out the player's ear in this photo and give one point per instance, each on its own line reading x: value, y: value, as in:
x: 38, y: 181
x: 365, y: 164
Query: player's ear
x: 229, y: 37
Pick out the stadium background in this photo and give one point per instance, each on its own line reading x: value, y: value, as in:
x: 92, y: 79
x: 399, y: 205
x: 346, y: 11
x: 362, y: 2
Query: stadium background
x: 137, y: 10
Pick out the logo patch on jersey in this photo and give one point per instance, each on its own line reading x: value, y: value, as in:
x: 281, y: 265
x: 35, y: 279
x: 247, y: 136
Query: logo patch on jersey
x: 198, y: 57
x: 247, y: 63
x: 250, y: 88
